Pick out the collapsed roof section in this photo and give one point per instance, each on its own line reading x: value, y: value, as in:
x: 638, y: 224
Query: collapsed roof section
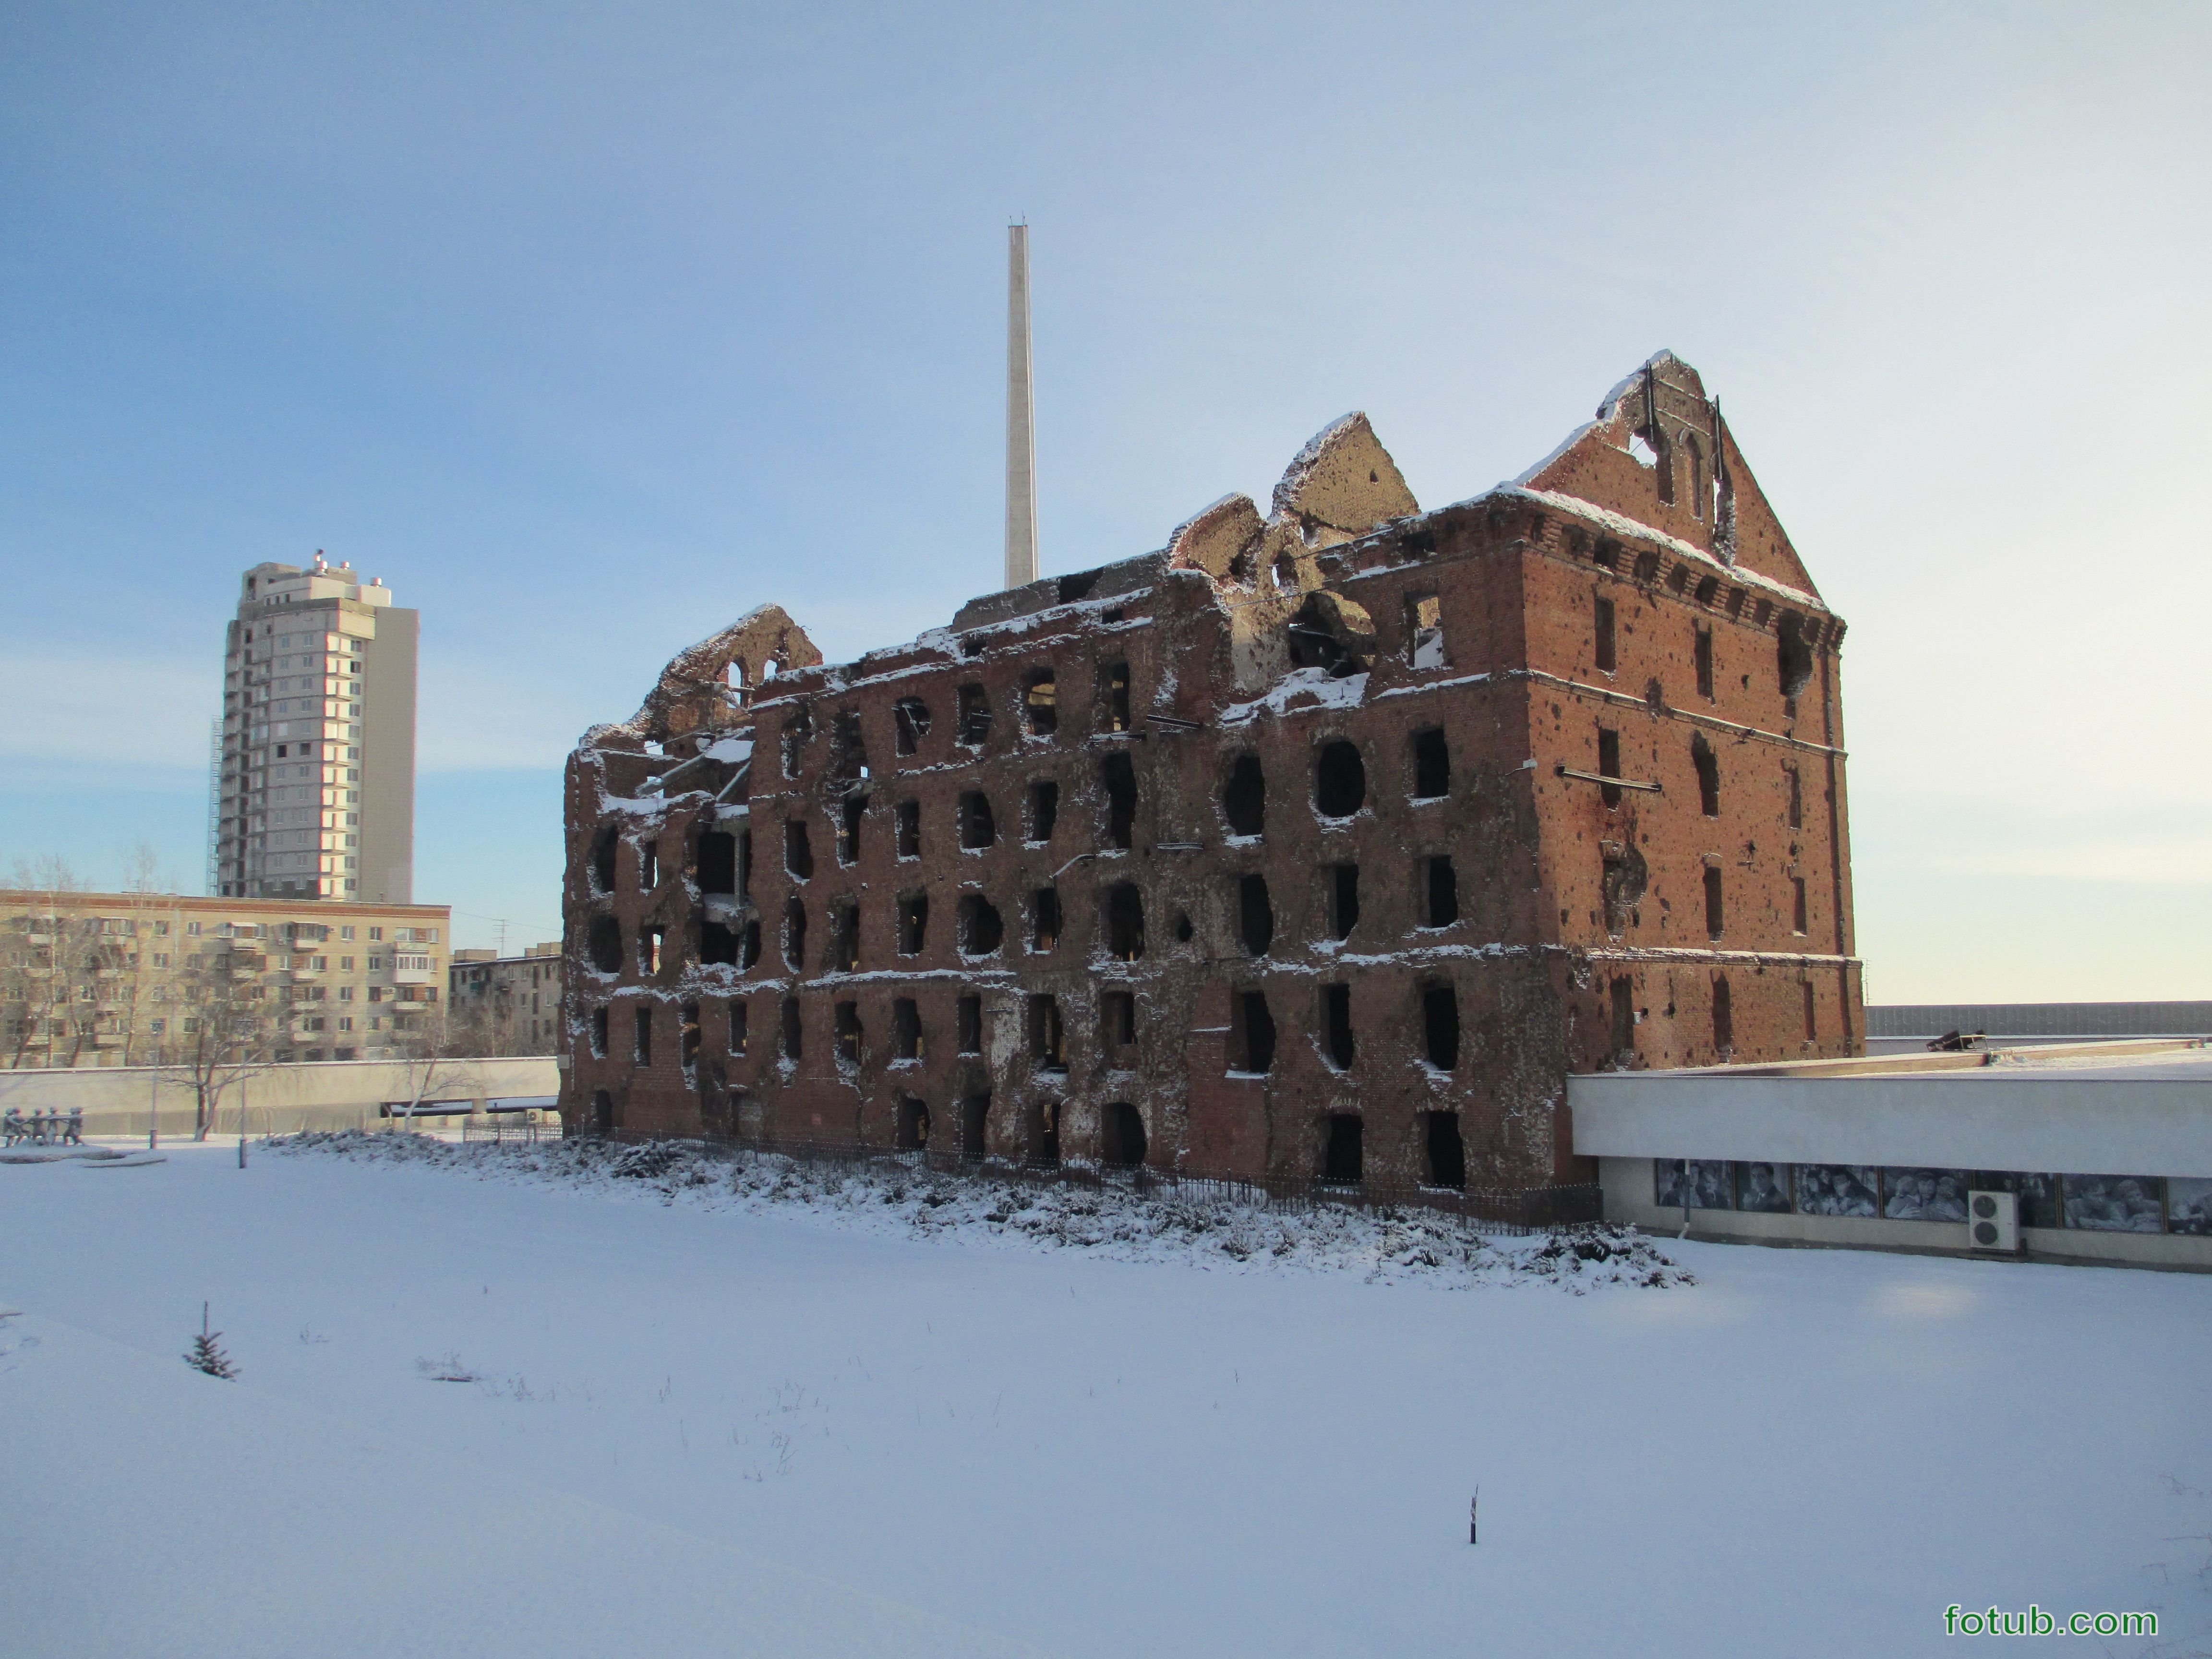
x: 706, y: 687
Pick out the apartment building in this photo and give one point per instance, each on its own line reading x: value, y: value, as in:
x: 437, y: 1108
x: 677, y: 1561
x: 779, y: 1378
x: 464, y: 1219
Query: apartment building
x: 117, y: 979
x: 314, y: 791
x: 507, y: 1004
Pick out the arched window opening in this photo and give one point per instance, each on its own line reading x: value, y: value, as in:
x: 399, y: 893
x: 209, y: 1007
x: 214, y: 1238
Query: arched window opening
x: 1121, y: 1136
x: 1343, y: 1162
x: 1447, y: 1151
x: 1244, y: 797
x: 1340, y: 780
x: 982, y: 931
x: 1255, y: 916
x: 912, y: 1125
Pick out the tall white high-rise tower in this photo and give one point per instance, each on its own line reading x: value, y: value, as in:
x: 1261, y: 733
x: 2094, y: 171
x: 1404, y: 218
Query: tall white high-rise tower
x: 316, y: 793
x: 1021, y: 417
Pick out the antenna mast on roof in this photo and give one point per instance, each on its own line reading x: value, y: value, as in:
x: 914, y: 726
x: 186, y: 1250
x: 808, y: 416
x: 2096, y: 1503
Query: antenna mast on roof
x: 1021, y: 417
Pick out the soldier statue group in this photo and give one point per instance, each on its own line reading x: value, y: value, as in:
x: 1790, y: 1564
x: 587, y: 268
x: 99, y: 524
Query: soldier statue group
x: 43, y: 1129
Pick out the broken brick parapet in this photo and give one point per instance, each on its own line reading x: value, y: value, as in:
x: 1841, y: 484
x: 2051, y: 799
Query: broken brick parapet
x: 1333, y: 839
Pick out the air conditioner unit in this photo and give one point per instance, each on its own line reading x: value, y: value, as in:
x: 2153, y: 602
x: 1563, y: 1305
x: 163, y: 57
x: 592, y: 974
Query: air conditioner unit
x: 1993, y: 1222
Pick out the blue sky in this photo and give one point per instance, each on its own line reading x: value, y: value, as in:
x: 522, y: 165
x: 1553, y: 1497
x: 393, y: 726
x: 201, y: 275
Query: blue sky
x: 588, y: 327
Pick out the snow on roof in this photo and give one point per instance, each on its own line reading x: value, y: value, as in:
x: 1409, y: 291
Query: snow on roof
x: 1294, y: 476
x: 1621, y: 525
x: 1311, y: 688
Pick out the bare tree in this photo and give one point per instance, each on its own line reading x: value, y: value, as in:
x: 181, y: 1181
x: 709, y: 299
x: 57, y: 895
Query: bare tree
x: 225, y: 1030
x: 437, y: 1060
x: 43, y: 961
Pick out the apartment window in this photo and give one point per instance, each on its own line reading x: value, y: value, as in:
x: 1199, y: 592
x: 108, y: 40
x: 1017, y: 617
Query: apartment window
x: 1606, y: 660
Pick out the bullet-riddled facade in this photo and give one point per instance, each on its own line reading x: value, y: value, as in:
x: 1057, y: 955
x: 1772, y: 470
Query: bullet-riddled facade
x: 1325, y: 842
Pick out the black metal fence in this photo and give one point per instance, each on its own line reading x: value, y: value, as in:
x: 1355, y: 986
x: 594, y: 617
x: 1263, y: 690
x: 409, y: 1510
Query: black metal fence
x: 1508, y: 1209
x: 496, y: 1129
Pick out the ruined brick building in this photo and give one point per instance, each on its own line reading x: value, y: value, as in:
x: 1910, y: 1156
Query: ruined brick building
x: 1324, y: 842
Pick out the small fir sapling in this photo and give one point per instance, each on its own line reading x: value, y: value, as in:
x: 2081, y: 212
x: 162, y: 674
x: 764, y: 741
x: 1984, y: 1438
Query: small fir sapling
x: 207, y: 1355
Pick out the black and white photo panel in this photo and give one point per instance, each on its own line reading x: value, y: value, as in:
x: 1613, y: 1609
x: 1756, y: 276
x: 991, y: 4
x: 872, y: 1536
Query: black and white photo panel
x: 1924, y: 1194
x: 2114, y: 1204
x: 1712, y: 1187
x: 2189, y: 1207
x: 2038, y: 1194
x: 1763, y: 1188
x: 1837, y: 1189
x: 1670, y: 1183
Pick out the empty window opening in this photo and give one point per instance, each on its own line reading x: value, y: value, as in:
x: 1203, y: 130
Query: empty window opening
x: 1337, y: 1039
x: 1078, y: 586
x: 1121, y: 1136
x: 794, y: 935
x: 1812, y: 1024
x: 1040, y: 704
x: 649, y: 941
x: 1244, y: 797
x: 1117, y: 1017
x: 1712, y: 902
x: 1431, y: 764
x: 717, y: 945
x: 1342, y: 887
x: 1796, y: 798
x: 1251, y: 1033
x: 793, y: 1035
x: 1256, y: 916
x: 648, y: 866
x: 968, y: 1024
x: 642, y: 1047
x: 1340, y: 780
x: 845, y: 937
x: 849, y: 747
x: 603, y: 859
x: 1286, y: 572
x: 745, y: 863
x: 906, y: 829
x: 848, y: 1033
x: 603, y: 940
x: 913, y: 1129
x: 852, y: 813
x: 1041, y: 1133
x: 982, y: 931
x: 748, y: 944
x: 1709, y: 776
x: 1439, y: 891
x: 1608, y: 766
x: 1446, y: 1150
x: 689, y: 1054
x: 1424, y: 633
x: 1114, y: 696
x: 909, y: 724
x: 913, y: 923
x: 977, y: 828
x: 1678, y: 579
x: 1125, y: 922
x: 1797, y: 915
x: 1697, y: 475
x: 1047, y: 1034
x: 1183, y: 931
x: 1707, y: 588
x: 906, y: 1029
x: 602, y: 1111
x: 1625, y: 875
x: 1606, y: 660
x: 1440, y: 1026
x: 598, y: 1034
x: 1793, y: 655
x: 718, y: 862
x: 797, y: 851
x: 1622, y: 993
x: 1045, y: 919
x: 1608, y: 556
x: 1735, y: 598
x: 1341, y: 1161
x: 1723, y: 1016
x: 1042, y: 811
x: 974, y: 1127
x: 1647, y: 567
x: 796, y: 732
x: 1120, y: 776
x: 975, y: 715
x: 737, y: 1027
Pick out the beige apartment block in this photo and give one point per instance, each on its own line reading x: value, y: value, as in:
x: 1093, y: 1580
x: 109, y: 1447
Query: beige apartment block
x: 105, y: 979
x: 507, y: 1004
x: 313, y: 796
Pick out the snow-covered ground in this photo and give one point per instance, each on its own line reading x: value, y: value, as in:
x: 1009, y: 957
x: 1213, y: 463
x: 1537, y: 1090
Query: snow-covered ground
x: 900, y: 1417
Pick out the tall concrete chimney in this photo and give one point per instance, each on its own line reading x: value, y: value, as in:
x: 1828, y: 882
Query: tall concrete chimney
x: 1021, y: 417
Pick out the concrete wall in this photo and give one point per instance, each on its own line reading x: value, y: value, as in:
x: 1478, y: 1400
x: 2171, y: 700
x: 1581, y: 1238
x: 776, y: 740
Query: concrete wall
x: 332, y: 1095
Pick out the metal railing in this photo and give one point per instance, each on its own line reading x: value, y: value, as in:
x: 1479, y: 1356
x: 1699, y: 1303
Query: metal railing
x: 496, y: 1130
x: 1493, y: 1209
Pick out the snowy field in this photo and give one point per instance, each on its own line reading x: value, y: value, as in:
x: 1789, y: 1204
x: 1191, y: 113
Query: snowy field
x: 691, y: 1418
